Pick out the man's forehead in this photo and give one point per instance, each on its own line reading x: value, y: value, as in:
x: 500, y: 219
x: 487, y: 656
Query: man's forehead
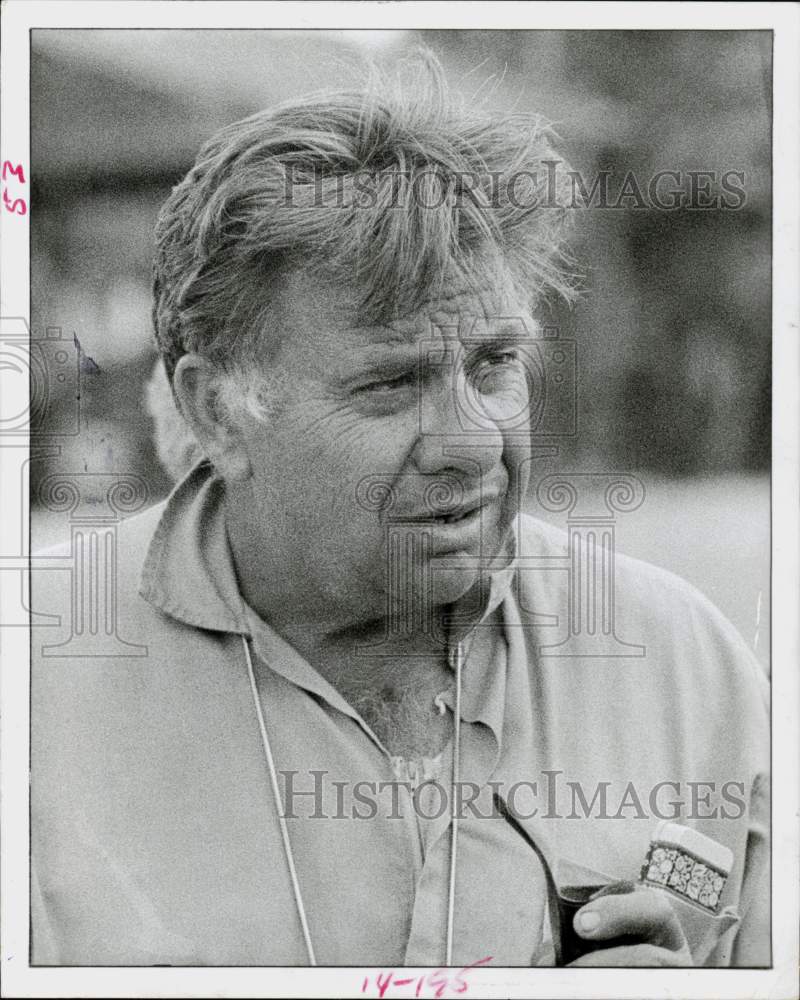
x: 465, y: 314
x: 459, y: 310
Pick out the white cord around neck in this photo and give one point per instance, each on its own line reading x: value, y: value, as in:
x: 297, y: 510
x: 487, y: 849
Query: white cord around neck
x: 287, y: 845
x: 451, y: 889
x: 273, y: 777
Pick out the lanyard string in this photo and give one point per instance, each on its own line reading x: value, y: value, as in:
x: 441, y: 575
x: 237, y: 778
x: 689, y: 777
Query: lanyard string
x: 287, y: 844
x: 451, y: 891
x: 273, y: 778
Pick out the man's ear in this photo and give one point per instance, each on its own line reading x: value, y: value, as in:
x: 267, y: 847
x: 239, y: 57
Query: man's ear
x: 196, y: 383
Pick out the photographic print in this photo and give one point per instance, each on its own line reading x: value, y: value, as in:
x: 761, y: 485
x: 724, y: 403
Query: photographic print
x: 394, y: 487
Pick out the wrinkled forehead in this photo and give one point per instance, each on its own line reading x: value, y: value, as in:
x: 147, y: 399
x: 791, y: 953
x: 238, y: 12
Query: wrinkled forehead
x: 324, y: 313
x: 463, y: 314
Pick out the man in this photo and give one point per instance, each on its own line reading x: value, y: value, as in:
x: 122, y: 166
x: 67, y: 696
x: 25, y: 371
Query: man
x: 351, y: 680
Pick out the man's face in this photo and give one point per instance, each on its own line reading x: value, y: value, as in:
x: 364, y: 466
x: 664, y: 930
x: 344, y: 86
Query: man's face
x: 396, y: 458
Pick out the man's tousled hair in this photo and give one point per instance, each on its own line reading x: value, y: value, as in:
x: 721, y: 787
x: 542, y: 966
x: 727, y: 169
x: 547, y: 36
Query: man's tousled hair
x: 390, y: 188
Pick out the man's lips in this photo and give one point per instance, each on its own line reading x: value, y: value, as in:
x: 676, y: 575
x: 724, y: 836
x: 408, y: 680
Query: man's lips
x: 449, y: 515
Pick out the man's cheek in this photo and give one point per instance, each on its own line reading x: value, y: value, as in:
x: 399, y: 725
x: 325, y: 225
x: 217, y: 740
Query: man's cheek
x: 315, y: 423
x: 517, y: 458
x: 509, y: 408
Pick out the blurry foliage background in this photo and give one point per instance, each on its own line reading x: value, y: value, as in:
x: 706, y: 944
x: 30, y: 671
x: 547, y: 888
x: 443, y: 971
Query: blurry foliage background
x: 673, y: 333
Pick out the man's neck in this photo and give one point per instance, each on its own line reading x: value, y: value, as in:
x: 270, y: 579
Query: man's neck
x: 391, y: 678
x: 391, y: 681
x: 393, y: 686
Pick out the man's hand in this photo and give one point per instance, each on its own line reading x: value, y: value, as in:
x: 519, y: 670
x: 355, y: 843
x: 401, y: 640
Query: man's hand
x: 645, y: 914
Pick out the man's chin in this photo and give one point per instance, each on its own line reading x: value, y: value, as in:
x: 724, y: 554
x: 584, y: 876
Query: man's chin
x: 445, y: 577
x: 451, y: 583
x: 445, y: 583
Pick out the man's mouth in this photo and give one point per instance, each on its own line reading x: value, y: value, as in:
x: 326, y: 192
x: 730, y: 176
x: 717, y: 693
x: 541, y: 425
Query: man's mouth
x: 460, y: 514
x: 465, y: 526
x: 455, y: 515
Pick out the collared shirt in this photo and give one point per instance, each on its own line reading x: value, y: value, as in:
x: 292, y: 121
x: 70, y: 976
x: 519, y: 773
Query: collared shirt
x: 156, y: 836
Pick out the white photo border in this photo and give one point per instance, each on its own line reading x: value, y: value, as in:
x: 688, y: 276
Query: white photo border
x: 19, y: 979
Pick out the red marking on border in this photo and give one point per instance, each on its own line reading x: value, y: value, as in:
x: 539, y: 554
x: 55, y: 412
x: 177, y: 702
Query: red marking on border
x: 17, y: 206
x: 439, y: 982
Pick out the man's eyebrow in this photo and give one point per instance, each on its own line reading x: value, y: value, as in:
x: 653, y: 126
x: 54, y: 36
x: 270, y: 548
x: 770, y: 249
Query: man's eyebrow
x: 502, y: 328
x: 385, y: 352
x: 392, y: 347
x: 369, y: 359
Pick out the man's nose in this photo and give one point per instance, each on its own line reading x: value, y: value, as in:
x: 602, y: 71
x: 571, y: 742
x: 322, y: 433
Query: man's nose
x: 455, y: 432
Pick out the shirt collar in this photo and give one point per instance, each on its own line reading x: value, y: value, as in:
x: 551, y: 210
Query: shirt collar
x: 188, y: 571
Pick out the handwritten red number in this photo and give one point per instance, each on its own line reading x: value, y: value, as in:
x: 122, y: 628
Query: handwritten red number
x: 459, y: 984
x: 438, y: 982
x: 383, y: 983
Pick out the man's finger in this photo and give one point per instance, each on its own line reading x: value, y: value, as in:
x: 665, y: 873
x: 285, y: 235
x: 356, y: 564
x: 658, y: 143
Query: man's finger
x: 645, y: 913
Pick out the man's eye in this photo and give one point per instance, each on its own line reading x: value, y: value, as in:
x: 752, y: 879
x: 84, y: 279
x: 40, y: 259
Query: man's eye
x: 503, y: 358
x: 390, y: 385
x: 495, y: 372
